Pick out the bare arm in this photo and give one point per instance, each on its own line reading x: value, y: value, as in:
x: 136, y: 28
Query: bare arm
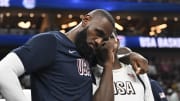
x: 139, y: 63
x: 106, y: 57
x: 105, y: 90
x: 10, y: 68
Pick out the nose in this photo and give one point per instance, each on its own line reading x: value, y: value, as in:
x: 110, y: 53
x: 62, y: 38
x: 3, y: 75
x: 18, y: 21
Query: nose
x: 99, y: 41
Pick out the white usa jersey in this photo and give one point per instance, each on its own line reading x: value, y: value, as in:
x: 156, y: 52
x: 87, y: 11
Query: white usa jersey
x: 127, y: 86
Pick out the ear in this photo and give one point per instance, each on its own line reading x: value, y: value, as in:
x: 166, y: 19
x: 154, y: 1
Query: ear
x: 85, y: 19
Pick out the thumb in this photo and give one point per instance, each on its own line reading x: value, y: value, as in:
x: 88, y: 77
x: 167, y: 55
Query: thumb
x: 136, y: 68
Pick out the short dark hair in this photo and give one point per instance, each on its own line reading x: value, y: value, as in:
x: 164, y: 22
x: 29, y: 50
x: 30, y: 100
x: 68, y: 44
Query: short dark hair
x: 104, y: 13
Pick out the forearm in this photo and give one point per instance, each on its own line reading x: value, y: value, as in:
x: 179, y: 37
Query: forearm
x: 10, y: 86
x: 105, y: 92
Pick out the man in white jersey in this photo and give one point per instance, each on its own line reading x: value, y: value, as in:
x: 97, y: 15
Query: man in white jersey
x: 128, y: 86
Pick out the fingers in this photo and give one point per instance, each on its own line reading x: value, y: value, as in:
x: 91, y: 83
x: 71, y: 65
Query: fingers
x: 111, y: 45
x: 139, y: 63
x: 145, y: 65
x: 106, y: 52
x: 138, y: 68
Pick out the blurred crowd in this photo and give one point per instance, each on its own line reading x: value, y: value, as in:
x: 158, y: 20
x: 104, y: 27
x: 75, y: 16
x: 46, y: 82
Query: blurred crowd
x: 167, y: 71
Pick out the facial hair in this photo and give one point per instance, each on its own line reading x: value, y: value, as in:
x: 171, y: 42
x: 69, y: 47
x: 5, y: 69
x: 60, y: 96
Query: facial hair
x: 84, y: 49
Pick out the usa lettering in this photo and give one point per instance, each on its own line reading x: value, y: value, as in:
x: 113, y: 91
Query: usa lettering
x: 83, y: 67
x: 123, y: 88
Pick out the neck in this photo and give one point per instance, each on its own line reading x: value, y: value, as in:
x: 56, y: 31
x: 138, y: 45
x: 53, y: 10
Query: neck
x: 117, y: 64
x: 73, y: 32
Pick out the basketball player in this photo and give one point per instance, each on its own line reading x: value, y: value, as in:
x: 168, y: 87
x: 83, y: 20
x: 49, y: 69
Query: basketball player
x: 128, y: 86
x: 59, y: 64
x: 157, y: 90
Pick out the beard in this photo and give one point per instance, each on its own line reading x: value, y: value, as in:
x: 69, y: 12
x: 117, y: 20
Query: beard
x: 84, y: 49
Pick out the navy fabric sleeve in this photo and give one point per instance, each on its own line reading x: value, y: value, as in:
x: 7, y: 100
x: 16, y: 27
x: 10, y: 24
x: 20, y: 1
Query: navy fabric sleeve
x: 38, y: 52
x: 157, y: 90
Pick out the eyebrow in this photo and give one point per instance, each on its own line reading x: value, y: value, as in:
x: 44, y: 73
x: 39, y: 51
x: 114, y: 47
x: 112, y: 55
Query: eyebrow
x: 100, y: 33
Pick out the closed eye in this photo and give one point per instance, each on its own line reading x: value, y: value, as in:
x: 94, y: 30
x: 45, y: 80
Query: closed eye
x: 102, y: 34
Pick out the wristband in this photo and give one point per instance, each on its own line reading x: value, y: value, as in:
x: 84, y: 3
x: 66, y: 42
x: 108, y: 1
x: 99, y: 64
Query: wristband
x: 123, y: 55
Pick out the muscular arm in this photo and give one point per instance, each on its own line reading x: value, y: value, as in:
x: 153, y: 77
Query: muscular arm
x: 105, y: 90
x: 106, y: 56
x: 139, y: 63
x: 10, y: 68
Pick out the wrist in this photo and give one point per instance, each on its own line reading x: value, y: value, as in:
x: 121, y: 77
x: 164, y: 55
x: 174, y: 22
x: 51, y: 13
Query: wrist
x: 124, y: 55
x: 125, y: 58
x: 108, y: 65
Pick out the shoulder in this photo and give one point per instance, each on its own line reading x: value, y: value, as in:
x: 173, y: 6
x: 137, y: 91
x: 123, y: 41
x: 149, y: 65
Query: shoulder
x: 156, y: 86
x: 46, y: 37
x: 49, y: 34
x: 154, y: 82
x: 158, y: 91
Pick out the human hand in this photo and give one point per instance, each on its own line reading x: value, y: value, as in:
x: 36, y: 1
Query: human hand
x: 106, y: 52
x: 138, y: 62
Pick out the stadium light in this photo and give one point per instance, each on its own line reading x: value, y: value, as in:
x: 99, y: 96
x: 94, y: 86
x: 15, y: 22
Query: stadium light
x: 71, y: 24
x: 119, y: 27
x: 24, y: 25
